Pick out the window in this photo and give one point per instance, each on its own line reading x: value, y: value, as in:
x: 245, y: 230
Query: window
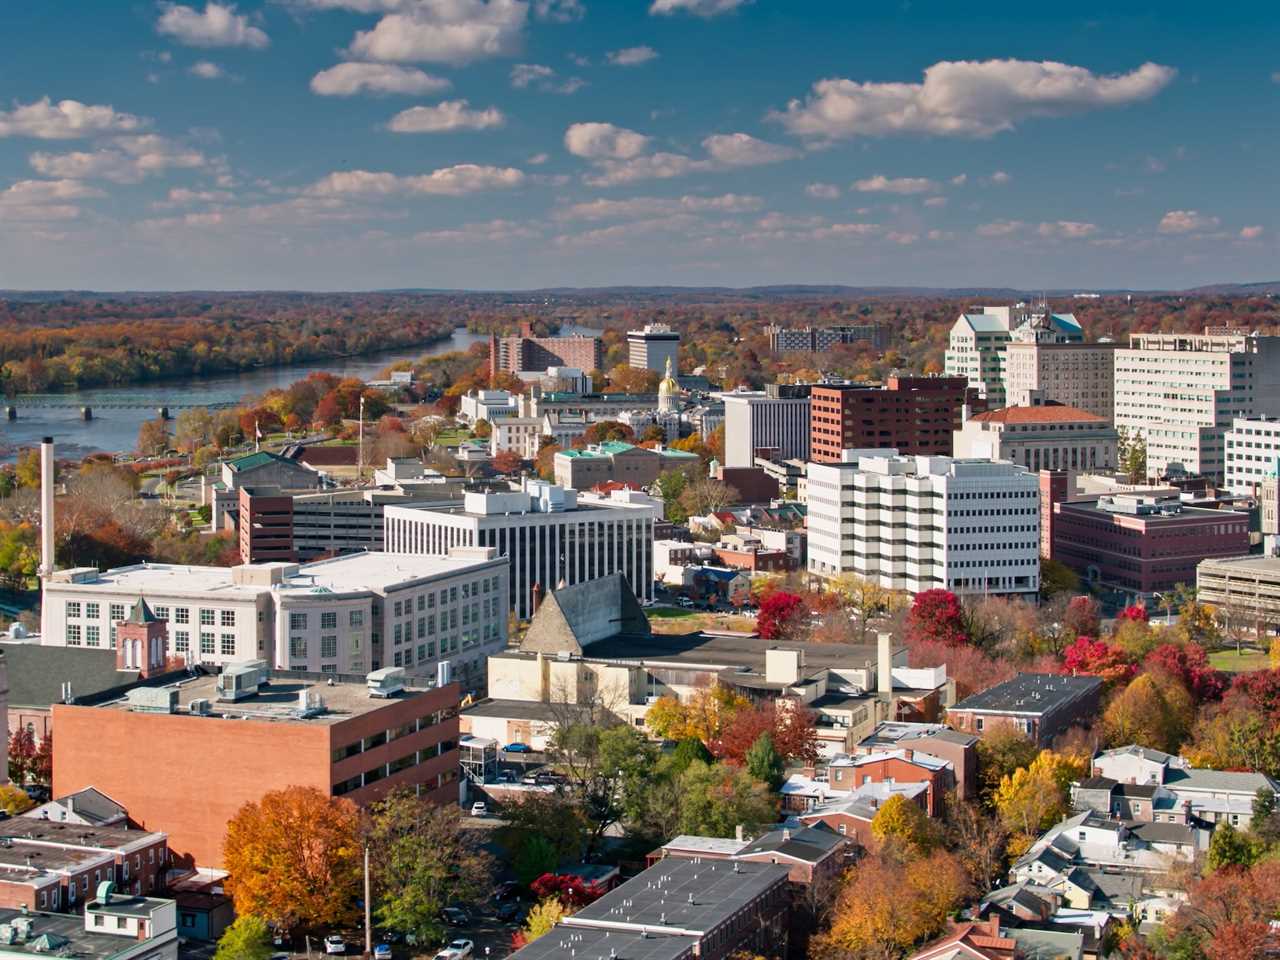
x: 453, y: 594
x: 422, y: 652
x: 206, y: 643
x: 466, y: 591
x: 297, y: 621
x: 329, y: 620
x: 298, y: 647
x: 422, y: 627
x: 92, y: 636
x: 227, y: 618
x: 161, y: 613
x: 91, y: 610
x: 181, y: 641
x: 181, y: 615
x: 357, y: 618
x: 206, y: 617
x: 73, y: 634
x: 399, y: 632
x: 329, y: 647
x: 228, y: 645
x: 117, y: 612
x: 399, y: 608
x: 977, y: 724
x: 431, y: 601
x: 73, y: 608
x: 422, y: 602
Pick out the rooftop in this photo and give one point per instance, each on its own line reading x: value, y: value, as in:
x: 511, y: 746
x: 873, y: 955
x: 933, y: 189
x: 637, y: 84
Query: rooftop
x: 41, y: 831
x: 254, y: 460
x: 1030, y: 693
x: 37, y: 673
x: 64, y: 934
x: 1050, y: 413
x: 588, y: 944
x: 891, y: 732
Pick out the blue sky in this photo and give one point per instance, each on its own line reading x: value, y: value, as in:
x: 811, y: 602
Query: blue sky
x: 501, y: 144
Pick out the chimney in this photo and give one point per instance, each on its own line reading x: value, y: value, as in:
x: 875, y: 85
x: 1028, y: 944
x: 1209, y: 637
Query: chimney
x: 537, y: 596
x: 884, y: 664
x: 740, y: 833
x: 46, y: 507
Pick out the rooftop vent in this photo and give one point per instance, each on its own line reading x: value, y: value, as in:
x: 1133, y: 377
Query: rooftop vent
x: 200, y: 707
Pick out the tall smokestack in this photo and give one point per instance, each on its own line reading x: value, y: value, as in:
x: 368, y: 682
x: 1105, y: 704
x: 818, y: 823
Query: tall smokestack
x: 46, y: 507
x: 884, y: 664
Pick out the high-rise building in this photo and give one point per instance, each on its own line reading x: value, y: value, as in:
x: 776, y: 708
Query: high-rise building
x: 979, y: 341
x: 651, y: 347
x: 549, y: 536
x: 821, y: 339
x: 774, y: 420
x: 919, y: 523
x: 915, y: 415
x: 1252, y: 454
x: 1078, y: 375
x: 1181, y: 392
x: 526, y: 353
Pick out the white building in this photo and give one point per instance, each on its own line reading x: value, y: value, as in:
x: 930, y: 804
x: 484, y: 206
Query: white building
x: 919, y: 523
x: 1075, y: 374
x: 350, y: 614
x: 653, y: 348
x: 1252, y: 453
x: 1040, y: 438
x: 775, y: 419
x: 519, y: 434
x: 486, y: 405
x: 979, y: 341
x: 1181, y: 392
x: 550, y: 536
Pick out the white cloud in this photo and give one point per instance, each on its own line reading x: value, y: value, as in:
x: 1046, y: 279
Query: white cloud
x: 64, y: 120
x: 632, y: 56
x: 206, y: 70
x: 902, y: 238
x: 44, y: 200
x: 1185, y: 221
x: 455, y: 181
x: 653, y: 166
x: 643, y: 207
x: 559, y: 11
x: 349, y: 79
x: 218, y: 26
x: 1001, y: 228
x: 491, y: 231
x: 743, y: 150
x: 444, y: 117
x: 959, y: 180
x: 604, y: 141
x: 935, y: 202
x: 536, y: 74
x: 128, y: 160
x: 900, y: 185
x: 538, y: 159
x: 965, y: 98
x: 822, y: 191
x: 446, y: 31
x: 1251, y: 233
x: 1000, y: 178
x: 1067, y: 229
x: 699, y: 8
x: 182, y: 197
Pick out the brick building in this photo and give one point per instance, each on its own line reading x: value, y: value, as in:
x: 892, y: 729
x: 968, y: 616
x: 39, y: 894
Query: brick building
x: 915, y: 415
x: 958, y: 749
x: 527, y: 353
x: 896, y: 766
x: 175, y: 760
x: 1040, y: 705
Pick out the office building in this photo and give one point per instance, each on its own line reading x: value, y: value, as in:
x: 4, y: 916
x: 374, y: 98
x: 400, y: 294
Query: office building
x: 549, y: 536
x: 1073, y: 374
x: 822, y: 339
x: 919, y: 523
x: 185, y: 758
x: 346, y: 615
x: 1182, y: 392
x: 1252, y: 451
x: 486, y: 405
x: 773, y: 422
x: 978, y: 342
x: 1041, y: 438
x: 254, y: 469
x: 1142, y: 542
x: 1246, y: 589
x: 527, y: 353
x: 1038, y: 705
x: 914, y: 415
x: 616, y: 462
x: 656, y: 347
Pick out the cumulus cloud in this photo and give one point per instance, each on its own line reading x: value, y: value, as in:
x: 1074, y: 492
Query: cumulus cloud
x: 1251, y: 233
x: 698, y: 8
x: 744, y: 150
x: 900, y: 185
x: 822, y: 191
x: 217, y: 26
x: 445, y: 117
x: 64, y: 120
x: 207, y: 70
x: 604, y: 141
x: 653, y: 166
x: 1067, y: 229
x: 349, y: 79
x: 1000, y: 228
x: 559, y: 11
x: 643, y: 207
x: 632, y: 56
x: 445, y: 31
x: 183, y: 197
x: 965, y: 98
x: 44, y: 200
x: 544, y: 78
x: 1185, y: 221
x: 1000, y: 178
x: 491, y: 231
x: 455, y: 181
x: 127, y: 160
x: 935, y: 202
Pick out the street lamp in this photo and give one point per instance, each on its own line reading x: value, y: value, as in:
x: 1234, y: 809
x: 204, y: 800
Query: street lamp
x: 360, y: 451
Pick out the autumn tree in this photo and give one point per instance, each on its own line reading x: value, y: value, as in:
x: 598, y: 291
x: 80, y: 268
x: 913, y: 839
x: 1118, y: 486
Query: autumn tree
x: 1234, y: 735
x: 1153, y: 711
x: 507, y: 462
x: 901, y: 823
x: 246, y: 938
x: 1082, y: 617
x: 294, y: 858
x: 1057, y: 578
x: 1100, y: 659
x: 705, y: 495
x: 865, y: 601
x: 790, y: 726
x: 14, y: 800
x: 1035, y: 797
x: 781, y: 615
x: 718, y: 798
x: 702, y: 716
x: 421, y: 860
x: 1227, y: 915
x: 1000, y: 752
x: 1189, y: 665
x: 542, y: 919
x: 153, y: 438
x: 22, y: 755
x: 936, y: 617
x: 978, y: 840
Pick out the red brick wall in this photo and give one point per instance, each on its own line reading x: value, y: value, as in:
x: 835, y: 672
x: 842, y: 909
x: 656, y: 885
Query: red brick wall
x: 855, y: 828
x: 917, y: 415
x: 899, y: 771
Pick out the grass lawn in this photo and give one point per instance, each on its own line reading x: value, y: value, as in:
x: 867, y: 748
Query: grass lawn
x: 691, y: 621
x: 1232, y: 662
x: 668, y: 613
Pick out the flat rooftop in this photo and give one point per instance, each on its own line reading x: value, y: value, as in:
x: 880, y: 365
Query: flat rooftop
x: 63, y: 934
x: 1030, y: 693
x: 1247, y: 566
x: 279, y: 700
x: 73, y: 834
x: 586, y: 944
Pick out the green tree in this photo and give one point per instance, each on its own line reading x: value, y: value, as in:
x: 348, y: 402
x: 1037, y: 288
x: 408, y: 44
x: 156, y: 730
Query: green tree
x: 1133, y: 455
x: 671, y: 485
x: 687, y: 751
x: 1265, y: 823
x: 535, y: 857
x: 542, y: 830
x: 764, y: 762
x: 1000, y: 753
x: 1228, y: 847
x: 716, y: 799
x: 247, y: 938
x: 421, y: 859
x: 1056, y: 577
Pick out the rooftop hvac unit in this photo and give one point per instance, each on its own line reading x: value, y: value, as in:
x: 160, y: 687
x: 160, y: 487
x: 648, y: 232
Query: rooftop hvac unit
x: 200, y: 707
x: 386, y: 682
x: 153, y: 699
x: 240, y: 680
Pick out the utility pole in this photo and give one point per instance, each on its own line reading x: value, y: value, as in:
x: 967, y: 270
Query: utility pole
x: 368, y: 907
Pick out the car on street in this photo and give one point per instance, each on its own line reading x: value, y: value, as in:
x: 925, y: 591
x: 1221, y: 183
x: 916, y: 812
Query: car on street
x: 334, y: 944
x: 457, y: 950
x: 382, y: 951
x: 455, y: 916
x: 685, y: 602
x: 479, y: 809
x: 518, y: 748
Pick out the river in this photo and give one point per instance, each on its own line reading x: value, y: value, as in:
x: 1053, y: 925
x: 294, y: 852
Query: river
x: 116, y: 430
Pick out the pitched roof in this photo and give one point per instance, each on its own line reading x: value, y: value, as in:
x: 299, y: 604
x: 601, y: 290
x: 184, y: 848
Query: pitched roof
x: 254, y: 460
x: 1050, y: 413
x: 572, y: 618
x: 37, y: 673
x: 141, y: 614
x: 92, y: 805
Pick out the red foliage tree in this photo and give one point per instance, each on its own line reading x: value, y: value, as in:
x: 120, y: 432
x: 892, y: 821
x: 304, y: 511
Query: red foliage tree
x: 1189, y: 664
x: 1262, y: 688
x: 1229, y: 911
x: 1083, y: 617
x: 22, y: 755
x: 1135, y: 611
x: 972, y: 670
x: 791, y: 726
x: 42, y: 763
x: 506, y: 462
x: 778, y: 614
x: 936, y: 616
x: 328, y: 411
x: 1099, y: 658
x: 574, y: 892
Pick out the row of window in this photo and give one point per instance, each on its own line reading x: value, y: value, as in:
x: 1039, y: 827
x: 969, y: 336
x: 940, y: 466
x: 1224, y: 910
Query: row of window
x: 91, y: 610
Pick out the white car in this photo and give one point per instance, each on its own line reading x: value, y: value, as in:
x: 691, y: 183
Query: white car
x: 457, y: 950
x: 478, y: 809
x: 334, y: 944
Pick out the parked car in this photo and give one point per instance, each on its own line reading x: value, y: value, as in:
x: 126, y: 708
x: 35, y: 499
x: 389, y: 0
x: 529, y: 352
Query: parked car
x: 518, y: 748
x: 334, y: 944
x: 506, y: 890
x: 685, y: 602
x: 506, y: 776
x: 529, y: 779
x: 507, y: 910
x: 479, y: 809
x: 455, y: 916
x: 382, y: 951
x: 457, y: 950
